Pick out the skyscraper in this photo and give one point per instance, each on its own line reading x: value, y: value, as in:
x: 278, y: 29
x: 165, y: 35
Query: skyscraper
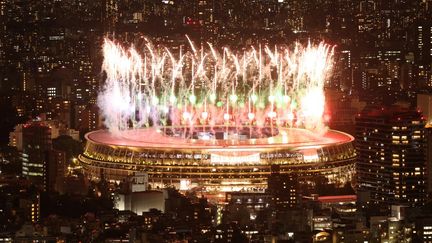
x: 424, y: 104
x: 41, y: 164
x: 283, y: 188
x: 391, y: 149
x: 36, y: 144
x: 423, y: 53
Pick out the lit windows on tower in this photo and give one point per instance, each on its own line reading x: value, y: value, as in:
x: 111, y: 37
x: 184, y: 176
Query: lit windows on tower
x: 51, y: 91
x: 391, y: 155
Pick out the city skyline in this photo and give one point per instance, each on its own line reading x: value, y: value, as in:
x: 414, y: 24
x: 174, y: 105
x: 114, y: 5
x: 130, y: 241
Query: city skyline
x: 208, y: 160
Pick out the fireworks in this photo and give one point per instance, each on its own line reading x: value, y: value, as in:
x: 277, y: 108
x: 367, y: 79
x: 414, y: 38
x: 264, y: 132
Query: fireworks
x: 262, y: 86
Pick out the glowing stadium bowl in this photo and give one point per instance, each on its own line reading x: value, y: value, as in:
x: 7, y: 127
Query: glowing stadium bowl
x: 232, y: 115
x: 218, y: 159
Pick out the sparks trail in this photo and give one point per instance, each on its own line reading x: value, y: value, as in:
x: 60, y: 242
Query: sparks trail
x: 264, y: 85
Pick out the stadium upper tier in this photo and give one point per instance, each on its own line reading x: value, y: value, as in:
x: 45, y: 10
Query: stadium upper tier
x: 220, y: 158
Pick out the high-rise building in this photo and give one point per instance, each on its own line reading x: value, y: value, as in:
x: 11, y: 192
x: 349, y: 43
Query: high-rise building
x: 86, y: 118
x: 56, y: 170
x: 3, y: 35
x: 36, y: 144
x: 283, y: 188
x: 30, y: 206
x: 110, y: 13
x: 423, y: 53
x: 41, y: 164
x: 429, y: 159
x: 391, y: 162
x: 423, y: 226
x: 16, y: 137
x: 424, y: 104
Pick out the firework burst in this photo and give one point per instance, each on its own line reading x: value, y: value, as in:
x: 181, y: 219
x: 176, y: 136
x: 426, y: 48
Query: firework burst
x: 263, y: 86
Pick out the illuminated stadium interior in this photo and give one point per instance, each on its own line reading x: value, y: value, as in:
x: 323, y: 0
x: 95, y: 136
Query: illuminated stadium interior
x: 233, y: 162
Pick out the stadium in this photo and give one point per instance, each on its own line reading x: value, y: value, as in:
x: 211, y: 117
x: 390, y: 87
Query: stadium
x: 219, y: 158
x: 216, y: 120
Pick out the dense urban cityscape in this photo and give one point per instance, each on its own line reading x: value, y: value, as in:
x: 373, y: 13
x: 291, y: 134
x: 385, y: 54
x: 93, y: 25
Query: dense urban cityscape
x: 216, y: 121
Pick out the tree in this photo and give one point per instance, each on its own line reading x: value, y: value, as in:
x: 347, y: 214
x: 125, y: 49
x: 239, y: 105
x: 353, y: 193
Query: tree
x: 11, y: 161
x: 8, y: 120
x: 67, y: 144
